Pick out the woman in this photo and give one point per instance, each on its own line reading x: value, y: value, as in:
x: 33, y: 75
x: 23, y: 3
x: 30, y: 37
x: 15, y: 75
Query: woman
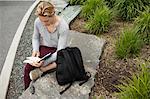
x: 49, y: 36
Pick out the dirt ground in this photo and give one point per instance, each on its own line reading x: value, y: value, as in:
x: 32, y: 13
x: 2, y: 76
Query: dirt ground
x: 111, y: 69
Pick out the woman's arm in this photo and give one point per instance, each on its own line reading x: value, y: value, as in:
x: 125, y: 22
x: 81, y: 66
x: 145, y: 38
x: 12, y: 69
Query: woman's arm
x: 35, y: 44
x: 35, y: 38
x: 63, y: 34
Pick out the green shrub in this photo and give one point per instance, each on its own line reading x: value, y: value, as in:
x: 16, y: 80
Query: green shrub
x: 110, y: 3
x: 98, y: 97
x: 77, y: 2
x: 128, y: 9
x: 100, y: 21
x: 90, y: 7
x: 142, y: 24
x: 128, y: 44
x: 146, y: 2
x: 136, y: 87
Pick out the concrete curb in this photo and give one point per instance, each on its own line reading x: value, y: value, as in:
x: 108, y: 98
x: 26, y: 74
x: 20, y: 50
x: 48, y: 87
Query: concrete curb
x: 17, y: 0
x: 8, y: 64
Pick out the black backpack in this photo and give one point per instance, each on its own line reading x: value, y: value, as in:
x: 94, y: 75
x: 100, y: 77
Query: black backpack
x: 70, y: 67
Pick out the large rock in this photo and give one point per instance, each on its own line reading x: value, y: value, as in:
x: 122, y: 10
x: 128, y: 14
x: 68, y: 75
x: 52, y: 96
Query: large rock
x: 70, y: 13
x: 59, y: 5
x: 47, y: 86
x: 90, y: 45
x: 65, y: 11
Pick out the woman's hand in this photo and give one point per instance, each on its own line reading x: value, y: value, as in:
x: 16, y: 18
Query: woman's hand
x: 37, y: 64
x: 35, y: 53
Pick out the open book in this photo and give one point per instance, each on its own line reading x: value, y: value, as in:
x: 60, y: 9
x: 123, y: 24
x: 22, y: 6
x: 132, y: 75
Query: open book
x: 36, y: 59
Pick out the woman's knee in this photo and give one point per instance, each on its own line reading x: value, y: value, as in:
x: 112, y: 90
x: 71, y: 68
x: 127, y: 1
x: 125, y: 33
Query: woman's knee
x: 49, y: 67
x: 28, y: 68
x: 53, y: 64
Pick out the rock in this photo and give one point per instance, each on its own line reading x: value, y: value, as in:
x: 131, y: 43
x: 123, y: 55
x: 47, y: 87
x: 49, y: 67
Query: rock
x: 90, y: 45
x: 70, y: 13
x: 59, y: 5
x: 47, y: 86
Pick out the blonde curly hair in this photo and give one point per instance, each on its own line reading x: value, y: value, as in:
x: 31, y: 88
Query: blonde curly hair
x: 45, y: 8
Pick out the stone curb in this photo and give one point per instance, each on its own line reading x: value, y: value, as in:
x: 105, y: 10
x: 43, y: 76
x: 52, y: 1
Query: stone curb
x: 8, y: 64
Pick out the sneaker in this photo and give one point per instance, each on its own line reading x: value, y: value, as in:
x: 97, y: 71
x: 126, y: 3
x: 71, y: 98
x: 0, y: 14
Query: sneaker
x: 35, y: 74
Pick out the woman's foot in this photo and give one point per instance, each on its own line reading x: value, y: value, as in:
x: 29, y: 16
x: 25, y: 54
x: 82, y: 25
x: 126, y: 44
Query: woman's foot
x: 35, y: 74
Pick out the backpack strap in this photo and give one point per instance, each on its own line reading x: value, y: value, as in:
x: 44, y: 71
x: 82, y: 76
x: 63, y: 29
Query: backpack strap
x: 66, y: 88
x: 86, y: 79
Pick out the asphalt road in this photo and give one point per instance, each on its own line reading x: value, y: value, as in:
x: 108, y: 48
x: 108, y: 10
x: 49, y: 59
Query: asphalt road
x: 11, y: 14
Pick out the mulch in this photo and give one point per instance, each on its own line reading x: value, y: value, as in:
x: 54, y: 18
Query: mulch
x: 111, y: 69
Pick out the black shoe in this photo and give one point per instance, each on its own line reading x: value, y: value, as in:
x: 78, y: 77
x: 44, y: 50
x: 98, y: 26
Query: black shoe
x: 32, y: 88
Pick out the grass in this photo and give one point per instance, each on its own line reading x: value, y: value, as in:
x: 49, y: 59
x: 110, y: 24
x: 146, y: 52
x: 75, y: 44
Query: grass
x: 128, y: 44
x: 142, y: 24
x: 90, y: 7
x: 98, y: 97
x: 100, y: 21
x: 136, y: 87
x: 129, y: 9
x: 77, y: 2
x: 110, y: 3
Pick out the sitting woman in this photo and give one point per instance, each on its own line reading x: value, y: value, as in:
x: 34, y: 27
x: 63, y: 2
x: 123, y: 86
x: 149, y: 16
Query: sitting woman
x: 50, y: 35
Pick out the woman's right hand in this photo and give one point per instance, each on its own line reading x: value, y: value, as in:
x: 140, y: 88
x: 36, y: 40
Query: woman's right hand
x: 35, y: 53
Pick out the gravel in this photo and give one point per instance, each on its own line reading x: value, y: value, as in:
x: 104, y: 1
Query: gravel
x: 16, y: 85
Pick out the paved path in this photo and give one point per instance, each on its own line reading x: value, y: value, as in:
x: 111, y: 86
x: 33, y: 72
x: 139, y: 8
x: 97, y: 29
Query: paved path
x: 11, y: 14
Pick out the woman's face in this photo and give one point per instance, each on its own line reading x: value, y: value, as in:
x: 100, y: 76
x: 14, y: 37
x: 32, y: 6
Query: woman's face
x: 46, y: 20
